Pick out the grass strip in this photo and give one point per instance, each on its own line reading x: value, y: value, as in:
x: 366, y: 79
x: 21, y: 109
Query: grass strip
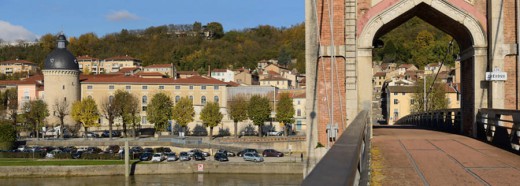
x: 45, y: 162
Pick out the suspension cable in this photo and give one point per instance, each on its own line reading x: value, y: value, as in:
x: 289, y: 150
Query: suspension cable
x: 439, y: 70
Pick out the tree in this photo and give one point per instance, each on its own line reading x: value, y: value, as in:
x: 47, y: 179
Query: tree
x: 216, y: 29
x: 86, y: 112
x: 237, y: 110
x: 259, y: 111
x: 284, y: 58
x: 211, y: 116
x: 61, y: 109
x: 109, y: 111
x: 36, y: 111
x: 159, y: 111
x: 7, y: 136
x: 121, y: 100
x: 285, y: 110
x: 183, y: 113
x: 436, y: 96
x: 132, y: 115
x: 11, y: 104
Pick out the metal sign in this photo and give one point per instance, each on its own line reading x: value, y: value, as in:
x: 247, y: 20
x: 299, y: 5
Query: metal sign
x: 200, y: 167
x: 496, y: 76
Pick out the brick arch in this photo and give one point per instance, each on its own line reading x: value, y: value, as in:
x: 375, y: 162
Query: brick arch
x: 404, y: 10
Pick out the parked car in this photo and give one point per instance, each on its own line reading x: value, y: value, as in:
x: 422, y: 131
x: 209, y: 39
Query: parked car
x: 52, y: 153
x: 157, y: 157
x: 228, y: 153
x: 147, y: 156
x: 250, y: 156
x: 112, y: 149
x: 241, y: 153
x: 150, y: 150
x: 106, y: 134
x: 198, y: 156
x: 184, y: 156
x: 93, y: 150
x: 136, y: 149
x: 171, y: 156
x: 219, y: 156
x: 77, y: 154
x: 272, y: 153
x: 91, y: 135
x: 193, y: 151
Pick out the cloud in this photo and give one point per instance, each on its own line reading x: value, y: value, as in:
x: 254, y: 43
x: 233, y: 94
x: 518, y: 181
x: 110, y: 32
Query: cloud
x: 121, y: 15
x: 10, y: 32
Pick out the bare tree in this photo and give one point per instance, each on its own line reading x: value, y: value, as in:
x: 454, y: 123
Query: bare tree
x: 109, y: 111
x: 61, y: 110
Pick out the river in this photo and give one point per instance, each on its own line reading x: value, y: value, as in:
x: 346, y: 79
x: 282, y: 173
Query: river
x: 151, y: 180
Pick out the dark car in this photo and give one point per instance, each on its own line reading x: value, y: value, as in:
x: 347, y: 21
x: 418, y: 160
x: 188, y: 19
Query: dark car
x: 241, y: 153
x: 112, y: 149
x: 272, y: 153
x: 136, y: 149
x: 93, y: 150
x: 219, y: 156
x: 227, y: 153
x: 198, y: 156
x: 147, y: 156
x: 150, y: 150
x: 106, y: 134
x: 77, y: 154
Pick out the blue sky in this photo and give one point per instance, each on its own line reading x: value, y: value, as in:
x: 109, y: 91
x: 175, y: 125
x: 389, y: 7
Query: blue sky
x: 29, y: 19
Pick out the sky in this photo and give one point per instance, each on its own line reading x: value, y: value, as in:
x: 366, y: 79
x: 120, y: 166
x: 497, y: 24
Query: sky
x: 30, y: 19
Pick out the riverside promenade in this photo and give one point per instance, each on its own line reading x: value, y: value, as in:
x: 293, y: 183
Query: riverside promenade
x: 403, y: 156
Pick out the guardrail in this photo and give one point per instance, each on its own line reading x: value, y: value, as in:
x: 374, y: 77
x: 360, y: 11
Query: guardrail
x: 499, y: 127
x: 448, y: 120
x: 347, y: 161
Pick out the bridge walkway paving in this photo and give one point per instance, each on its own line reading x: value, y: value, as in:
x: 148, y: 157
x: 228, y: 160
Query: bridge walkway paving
x: 405, y: 156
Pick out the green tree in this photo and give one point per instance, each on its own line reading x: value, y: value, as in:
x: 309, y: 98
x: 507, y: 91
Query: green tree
x: 109, y: 111
x: 216, y: 29
x: 86, y: 112
x: 259, y: 111
x: 11, y: 104
x: 237, y: 109
x: 35, y: 112
x: 132, y: 115
x: 285, y: 110
x: 159, y: 111
x: 211, y: 116
x: 436, y: 96
x: 121, y: 100
x: 7, y: 136
x: 183, y: 112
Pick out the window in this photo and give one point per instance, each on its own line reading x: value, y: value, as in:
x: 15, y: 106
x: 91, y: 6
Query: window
x: 63, y: 87
x: 412, y: 101
x: 161, y: 87
x: 145, y: 87
x: 396, y: 101
x: 110, y: 99
x: 203, y: 87
x: 191, y: 98
x: 395, y: 93
x: 299, y: 112
x: 177, y: 87
x: 177, y: 98
x: 203, y: 100
x: 111, y: 87
x: 145, y: 100
x: 128, y: 87
x: 298, y: 125
x: 89, y: 87
x: 215, y: 99
x: 191, y: 87
x: 298, y: 102
x: 143, y: 120
x: 404, y: 93
x: 144, y: 108
x: 216, y: 87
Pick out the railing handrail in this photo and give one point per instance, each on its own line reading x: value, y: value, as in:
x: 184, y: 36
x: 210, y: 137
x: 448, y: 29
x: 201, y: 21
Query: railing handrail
x: 346, y: 162
x: 499, y: 131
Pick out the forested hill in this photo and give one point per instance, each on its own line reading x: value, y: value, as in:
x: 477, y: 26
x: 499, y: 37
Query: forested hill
x: 184, y: 45
x: 415, y: 42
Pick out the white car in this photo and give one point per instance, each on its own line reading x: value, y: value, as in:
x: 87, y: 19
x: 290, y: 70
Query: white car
x: 250, y: 156
x: 171, y: 157
x: 157, y: 157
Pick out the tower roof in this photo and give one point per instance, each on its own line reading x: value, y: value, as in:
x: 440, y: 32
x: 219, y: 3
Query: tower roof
x: 60, y: 58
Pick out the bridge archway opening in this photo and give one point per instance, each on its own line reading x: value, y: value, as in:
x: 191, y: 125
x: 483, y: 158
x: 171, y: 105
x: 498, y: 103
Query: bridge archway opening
x: 465, y: 30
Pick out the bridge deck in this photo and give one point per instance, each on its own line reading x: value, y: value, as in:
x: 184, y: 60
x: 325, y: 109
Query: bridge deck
x: 422, y: 157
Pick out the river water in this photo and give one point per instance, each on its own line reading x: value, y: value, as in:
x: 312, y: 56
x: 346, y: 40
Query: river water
x: 164, y: 179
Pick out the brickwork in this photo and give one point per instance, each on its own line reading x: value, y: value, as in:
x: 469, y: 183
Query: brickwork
x: 324, y: 101
x: 510, y: 84
x: 338, y: 22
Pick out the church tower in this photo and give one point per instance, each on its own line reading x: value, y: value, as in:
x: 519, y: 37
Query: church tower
x: 61, y: 81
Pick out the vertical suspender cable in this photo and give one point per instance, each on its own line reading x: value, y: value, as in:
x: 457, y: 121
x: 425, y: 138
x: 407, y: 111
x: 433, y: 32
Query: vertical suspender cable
x: 332, y: 60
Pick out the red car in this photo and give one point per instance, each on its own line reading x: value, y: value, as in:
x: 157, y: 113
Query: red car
x: 272, y: 153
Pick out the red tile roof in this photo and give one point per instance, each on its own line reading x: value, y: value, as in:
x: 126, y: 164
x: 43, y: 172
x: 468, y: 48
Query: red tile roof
x: 86, y: 57
x: 149, y: 74
x: 380, y: 74
x: 17, y: 61
x: 194, y: 73
x: 270, y: 72
x: 233, y: 84
x: 200, y: 80
x: 121, y: 58
x: 137, y: 80
x: 159, y: 66
x: 406, y: 65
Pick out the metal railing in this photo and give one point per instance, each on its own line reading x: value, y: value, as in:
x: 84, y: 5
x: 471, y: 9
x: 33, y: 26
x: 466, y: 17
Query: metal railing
x: 347, y: 161
x: 448, y: 120
x: 499, y: 127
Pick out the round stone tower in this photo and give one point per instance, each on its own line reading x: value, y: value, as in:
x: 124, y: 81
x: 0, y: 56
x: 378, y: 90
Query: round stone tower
x: 61, y: 81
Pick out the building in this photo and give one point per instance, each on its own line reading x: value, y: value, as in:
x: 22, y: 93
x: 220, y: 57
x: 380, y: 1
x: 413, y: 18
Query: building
x: 114, y: 64
x: 89, y: 65
x: 276, y: 81
x: 399, y: 102
x: 225, y: 75
x: 61, y: 80
x: 378, y: 81
x: 186, y: 74
x: 165, y: 69
x: 18, y: 66
x: 243, y: 76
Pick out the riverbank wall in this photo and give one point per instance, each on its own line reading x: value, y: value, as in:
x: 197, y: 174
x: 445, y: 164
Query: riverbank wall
x: 141, y: 168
